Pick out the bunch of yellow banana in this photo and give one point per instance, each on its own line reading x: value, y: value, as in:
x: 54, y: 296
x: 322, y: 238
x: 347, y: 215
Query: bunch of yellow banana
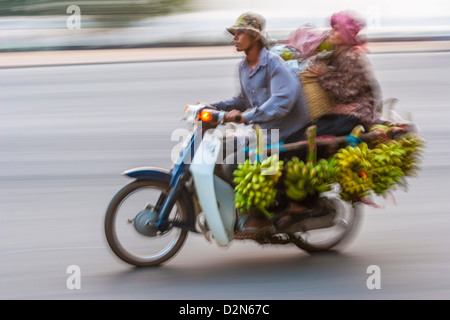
x: 353, y: 171
x: 255, y: 183
x: 308, y: 178
x: 386, y: 160
x: 394, y: 160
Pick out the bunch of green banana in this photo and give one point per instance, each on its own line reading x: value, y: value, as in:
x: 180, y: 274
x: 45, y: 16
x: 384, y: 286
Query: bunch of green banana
x: 255, y: 183
x: 308, y: 178
x: 353, y: 171
x: 394, y: 160
x: 412, y: 144
x: 386, y: 161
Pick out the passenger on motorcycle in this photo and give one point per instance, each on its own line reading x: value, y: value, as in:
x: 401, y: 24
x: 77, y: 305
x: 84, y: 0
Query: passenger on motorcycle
x: 349, y: 77
x: 270, y: 94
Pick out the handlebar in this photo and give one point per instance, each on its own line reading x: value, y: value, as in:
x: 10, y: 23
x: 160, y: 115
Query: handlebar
x: 206, y: 114
x: 215, y: 116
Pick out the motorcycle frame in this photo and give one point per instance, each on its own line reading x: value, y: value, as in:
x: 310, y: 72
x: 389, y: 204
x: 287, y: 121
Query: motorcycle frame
x: 218, y: 211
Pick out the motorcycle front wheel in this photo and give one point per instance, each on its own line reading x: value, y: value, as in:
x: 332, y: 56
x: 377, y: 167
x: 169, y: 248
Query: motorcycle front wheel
x: 123, y: 237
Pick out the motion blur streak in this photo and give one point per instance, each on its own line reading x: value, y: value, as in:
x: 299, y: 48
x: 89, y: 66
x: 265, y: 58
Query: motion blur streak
x: 68, y: 132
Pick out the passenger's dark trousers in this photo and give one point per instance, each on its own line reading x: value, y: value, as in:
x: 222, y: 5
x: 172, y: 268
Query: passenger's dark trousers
x: 336, y: 125
x: 330, y: 124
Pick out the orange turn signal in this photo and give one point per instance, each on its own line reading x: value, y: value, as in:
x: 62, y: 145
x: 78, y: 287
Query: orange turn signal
x: 205, y: 115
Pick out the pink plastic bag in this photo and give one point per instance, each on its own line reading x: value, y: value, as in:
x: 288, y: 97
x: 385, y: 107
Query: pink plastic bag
x: 306, y: 40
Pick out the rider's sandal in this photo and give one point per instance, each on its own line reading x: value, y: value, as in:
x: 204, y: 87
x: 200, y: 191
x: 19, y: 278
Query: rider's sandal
x: 290, y: 219
x: 293, y: 214
x: 296, y: 213
x: 249, y: 227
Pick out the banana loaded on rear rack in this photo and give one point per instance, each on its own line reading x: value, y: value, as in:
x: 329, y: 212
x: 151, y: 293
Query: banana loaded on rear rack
x: 148, y: 220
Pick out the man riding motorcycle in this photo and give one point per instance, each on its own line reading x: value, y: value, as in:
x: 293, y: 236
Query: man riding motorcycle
x: 271, y: 95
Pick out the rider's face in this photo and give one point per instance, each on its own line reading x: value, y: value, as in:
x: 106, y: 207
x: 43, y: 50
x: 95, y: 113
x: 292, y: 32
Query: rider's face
x: 244, y: 41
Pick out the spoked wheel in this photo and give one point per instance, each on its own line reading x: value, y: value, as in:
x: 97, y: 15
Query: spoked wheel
x: 130, y: 224
x: 344, y: 225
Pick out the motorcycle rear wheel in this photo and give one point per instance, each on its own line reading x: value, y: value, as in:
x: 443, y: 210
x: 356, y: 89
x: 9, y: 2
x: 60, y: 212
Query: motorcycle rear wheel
x: 123, y: 238
x: 346, y: 224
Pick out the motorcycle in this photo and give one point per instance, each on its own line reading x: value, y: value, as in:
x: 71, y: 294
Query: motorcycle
x: 148, y: 220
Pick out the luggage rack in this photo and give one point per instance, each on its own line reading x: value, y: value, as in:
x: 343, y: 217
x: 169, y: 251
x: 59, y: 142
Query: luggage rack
x: 329, y: 145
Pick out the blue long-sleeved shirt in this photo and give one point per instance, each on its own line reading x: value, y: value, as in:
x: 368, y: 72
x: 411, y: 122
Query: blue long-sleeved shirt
x: 271, y: 96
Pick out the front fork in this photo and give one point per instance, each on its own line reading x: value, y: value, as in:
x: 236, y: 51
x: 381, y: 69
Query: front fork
x: 180, y: 175
x: 167, y: 200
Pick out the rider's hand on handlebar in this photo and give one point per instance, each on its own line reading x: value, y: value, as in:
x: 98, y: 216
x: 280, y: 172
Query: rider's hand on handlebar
x: 234, y: 116
x: 206, y: 104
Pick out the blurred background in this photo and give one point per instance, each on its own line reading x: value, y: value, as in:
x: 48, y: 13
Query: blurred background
x: 87, y: 92
x: 43, y: 24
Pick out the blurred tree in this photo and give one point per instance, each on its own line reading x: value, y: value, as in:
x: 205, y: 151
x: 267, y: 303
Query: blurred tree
x: 103, y: 10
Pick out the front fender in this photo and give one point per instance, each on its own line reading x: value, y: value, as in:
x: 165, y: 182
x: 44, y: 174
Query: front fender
x: 150, y: 173
x: 165, y: 176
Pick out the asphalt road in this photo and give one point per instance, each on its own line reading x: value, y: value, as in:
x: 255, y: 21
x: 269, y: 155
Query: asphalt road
x: 68, y: 132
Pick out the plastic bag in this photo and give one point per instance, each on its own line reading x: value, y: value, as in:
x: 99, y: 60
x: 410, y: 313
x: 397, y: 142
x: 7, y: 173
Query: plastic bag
x: 308, y: 41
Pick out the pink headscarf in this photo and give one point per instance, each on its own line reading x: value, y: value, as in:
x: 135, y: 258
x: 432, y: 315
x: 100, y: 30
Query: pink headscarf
x: 349, y: 25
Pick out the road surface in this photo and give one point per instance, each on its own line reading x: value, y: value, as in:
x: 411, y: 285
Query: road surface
x: 69, y: 131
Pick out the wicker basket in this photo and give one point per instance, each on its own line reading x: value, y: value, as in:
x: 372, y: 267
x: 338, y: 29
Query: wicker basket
x: 319, y: 100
